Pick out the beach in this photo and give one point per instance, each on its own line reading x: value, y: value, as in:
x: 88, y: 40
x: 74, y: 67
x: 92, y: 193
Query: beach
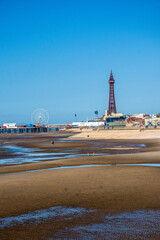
x: 104, y: 183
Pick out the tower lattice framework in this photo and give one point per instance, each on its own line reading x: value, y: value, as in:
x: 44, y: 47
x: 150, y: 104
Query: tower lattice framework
x: 112, y: 103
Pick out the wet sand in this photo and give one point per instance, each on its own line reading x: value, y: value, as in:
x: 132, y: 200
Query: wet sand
x: 113, y: 188
x: 108, y: 189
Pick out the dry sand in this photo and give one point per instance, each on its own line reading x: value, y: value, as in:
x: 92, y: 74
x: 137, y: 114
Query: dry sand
x: 118, y: 134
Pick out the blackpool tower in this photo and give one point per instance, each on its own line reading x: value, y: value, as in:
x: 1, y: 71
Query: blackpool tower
x: 112, y: 103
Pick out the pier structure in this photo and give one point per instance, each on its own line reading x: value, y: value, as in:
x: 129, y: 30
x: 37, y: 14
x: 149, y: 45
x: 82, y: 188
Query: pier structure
x: 24, y: 130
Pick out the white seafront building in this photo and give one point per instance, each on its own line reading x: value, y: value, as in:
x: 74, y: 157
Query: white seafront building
x: 9, y: 125
x: 88, y: 124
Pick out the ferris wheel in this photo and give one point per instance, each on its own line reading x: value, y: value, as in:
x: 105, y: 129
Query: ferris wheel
x: 40, y: 116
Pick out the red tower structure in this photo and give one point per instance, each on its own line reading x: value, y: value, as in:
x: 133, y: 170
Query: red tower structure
x: 112, y: 103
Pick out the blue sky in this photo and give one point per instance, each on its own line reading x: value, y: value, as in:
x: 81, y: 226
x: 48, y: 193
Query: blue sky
x: 58, y: 55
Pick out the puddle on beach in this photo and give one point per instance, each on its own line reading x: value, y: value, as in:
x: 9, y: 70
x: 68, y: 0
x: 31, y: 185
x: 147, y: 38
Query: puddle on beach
x: 58, y: 168
x: 84, y: 166
x: 142, y: 164
x: 26, y: 155
x: 20, y: 155
x: 36, y: 217
x: 110, y: 226
x: 131, y: 225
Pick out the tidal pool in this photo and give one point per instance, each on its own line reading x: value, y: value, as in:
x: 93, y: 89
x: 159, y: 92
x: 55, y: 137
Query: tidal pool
x: 85, y: 166
x: 130, y: 225
x: 138, y: 224
x: 28, y: 155
x: 20, y: 155
x: 41, y: 215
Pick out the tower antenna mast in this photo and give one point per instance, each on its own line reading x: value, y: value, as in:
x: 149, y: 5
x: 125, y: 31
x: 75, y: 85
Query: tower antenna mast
x: 112, y: 103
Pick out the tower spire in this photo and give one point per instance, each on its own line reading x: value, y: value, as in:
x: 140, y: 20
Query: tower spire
x: 112, y: 103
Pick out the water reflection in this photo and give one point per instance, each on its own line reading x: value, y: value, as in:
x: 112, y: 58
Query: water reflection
x: 84, y: 166
x: 128, y: 225
x: 11, y: 154
x: 143, y: 164
x: 28, y: 155
x: 41, y: 215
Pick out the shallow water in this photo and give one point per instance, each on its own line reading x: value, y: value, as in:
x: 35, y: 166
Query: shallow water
x: 136, y: 224
x: 58, y: 168
x: 20, y: 155
x: 84, y: 166
x: 132, y: 225
x: 41, y: 215
x: 143, y: 164
x: 28, y: 155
